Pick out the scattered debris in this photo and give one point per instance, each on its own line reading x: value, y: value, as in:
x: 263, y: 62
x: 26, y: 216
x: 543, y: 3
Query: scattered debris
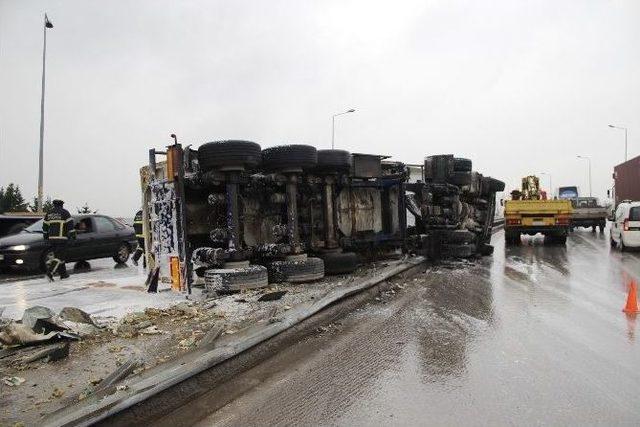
x: 150, y: 330
x: 122, y: 387
x: 13, y: 381
x: 119, y: 374
x: 57, y: 392
x: 211, y: 336
x: 209, y: 304
x: 272, y: 296
x: 19, y: 334
x: 51, y: 352
x: 76, y: 315
x: 185, y: 308
x: 42, y: 320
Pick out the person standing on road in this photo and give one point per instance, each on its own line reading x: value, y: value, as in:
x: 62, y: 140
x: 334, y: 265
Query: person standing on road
x: 58, y: 229
x: 137, y: 227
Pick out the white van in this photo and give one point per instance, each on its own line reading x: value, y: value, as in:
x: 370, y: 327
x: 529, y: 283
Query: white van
x: 625, y: 230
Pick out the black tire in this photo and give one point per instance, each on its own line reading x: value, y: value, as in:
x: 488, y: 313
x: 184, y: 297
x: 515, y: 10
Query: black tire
x: 334, y: 161
x: 229, y: 155
x: 593, y: 228
x: 458, y: 251
x: 461, y: 164
x: 602, y: 225
x: 285, y: 157
x: 459, y: 237
x: 460, y: 178
x: 296, y: 270
x: 512, y: 238
x: 339, y: 262
x: 491, y: 185
x: 438, y: 168
x: 485, y: 249
x: 612, y: 242
x: 224, y: 280
x: 557, y: 240
x: 123, y: 253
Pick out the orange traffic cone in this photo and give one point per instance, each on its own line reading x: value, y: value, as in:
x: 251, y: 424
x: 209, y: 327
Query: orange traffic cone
x: 632, y: 300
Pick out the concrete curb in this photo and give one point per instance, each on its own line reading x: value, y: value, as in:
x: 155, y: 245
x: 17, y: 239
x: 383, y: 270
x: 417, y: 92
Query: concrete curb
x: 165, y: 376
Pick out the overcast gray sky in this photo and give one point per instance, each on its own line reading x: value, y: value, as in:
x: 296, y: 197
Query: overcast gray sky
x: 519, y: 87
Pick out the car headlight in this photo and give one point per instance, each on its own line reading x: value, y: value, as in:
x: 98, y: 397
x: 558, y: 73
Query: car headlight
x: 18, y: 248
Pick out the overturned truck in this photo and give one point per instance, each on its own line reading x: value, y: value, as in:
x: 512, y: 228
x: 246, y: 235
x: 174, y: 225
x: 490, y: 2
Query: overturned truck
x: 236, y: 216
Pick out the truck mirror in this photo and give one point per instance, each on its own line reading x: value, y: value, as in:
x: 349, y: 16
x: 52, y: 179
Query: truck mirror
x: 609, y: 193
x: 501, y: 202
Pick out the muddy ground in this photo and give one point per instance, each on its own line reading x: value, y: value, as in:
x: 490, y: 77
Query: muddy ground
x: 152, y: 337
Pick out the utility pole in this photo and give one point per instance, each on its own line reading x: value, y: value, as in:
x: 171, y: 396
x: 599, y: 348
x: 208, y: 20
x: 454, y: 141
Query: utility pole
x: 47, y: 24
x: 625, y: 139
x: 333, y: 126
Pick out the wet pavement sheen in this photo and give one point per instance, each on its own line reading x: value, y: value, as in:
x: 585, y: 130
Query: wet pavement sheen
x: 533, y: 335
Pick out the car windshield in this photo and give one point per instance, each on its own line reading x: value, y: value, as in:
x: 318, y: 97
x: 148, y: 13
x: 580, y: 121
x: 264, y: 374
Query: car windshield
x: 634, y: 214
x: 36, y: 227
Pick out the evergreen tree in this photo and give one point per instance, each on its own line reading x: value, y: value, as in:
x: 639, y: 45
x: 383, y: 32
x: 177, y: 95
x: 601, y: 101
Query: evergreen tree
x: 47, y: 204
x: 11, y: 199
x: 85, y: 209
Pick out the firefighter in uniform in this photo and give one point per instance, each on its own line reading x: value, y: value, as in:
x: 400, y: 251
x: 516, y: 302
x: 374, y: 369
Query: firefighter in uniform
x: 58, y: 229
x: 137, y: 227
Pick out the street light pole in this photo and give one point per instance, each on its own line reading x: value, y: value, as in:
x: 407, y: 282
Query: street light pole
x: 588, y: 159
x: 625, y: 139
x: 47, y: 24
x: 333, y: 126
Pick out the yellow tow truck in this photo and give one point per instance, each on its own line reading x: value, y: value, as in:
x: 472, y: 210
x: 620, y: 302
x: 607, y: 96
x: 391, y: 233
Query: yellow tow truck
x: 529, y: 212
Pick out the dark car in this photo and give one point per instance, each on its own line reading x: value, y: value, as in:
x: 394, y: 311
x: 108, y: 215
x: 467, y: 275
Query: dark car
x: 98, y: 236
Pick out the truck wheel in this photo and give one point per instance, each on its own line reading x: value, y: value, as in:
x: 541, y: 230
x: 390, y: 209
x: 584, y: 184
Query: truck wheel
x: 485, y: 249
x: 461, y: 164
x: 593, y: 228
x: 491, y: 185
x: 122, y: 255
x: 229, y: 155
x: 459, y: 237
x: 334, y: 161
x: 602, y: 225
x: 512, y: 238
x: 224, y: 280
x: 612, y: 242
x: 459, y: 251
x: 339, y: 262
x: 296, y: 269
x: 460, y: 178
x: 294, y: 157
x: 557, y: 240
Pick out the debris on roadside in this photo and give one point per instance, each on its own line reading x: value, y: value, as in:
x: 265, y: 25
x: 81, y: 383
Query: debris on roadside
x: 272, y: 296
x: 50, y: 353
x: 13, y: 381
x: 42, y: 320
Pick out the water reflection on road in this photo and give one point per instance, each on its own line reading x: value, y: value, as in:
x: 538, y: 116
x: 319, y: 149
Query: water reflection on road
x: 533, y: 335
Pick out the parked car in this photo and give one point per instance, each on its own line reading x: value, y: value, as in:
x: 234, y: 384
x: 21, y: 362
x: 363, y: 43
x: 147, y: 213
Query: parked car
x: 625, y: 230
x: 14, y: 222
x: 98, y: 236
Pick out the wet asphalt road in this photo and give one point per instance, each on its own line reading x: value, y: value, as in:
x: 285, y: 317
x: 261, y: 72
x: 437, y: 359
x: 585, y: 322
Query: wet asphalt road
x: 534, y: 335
